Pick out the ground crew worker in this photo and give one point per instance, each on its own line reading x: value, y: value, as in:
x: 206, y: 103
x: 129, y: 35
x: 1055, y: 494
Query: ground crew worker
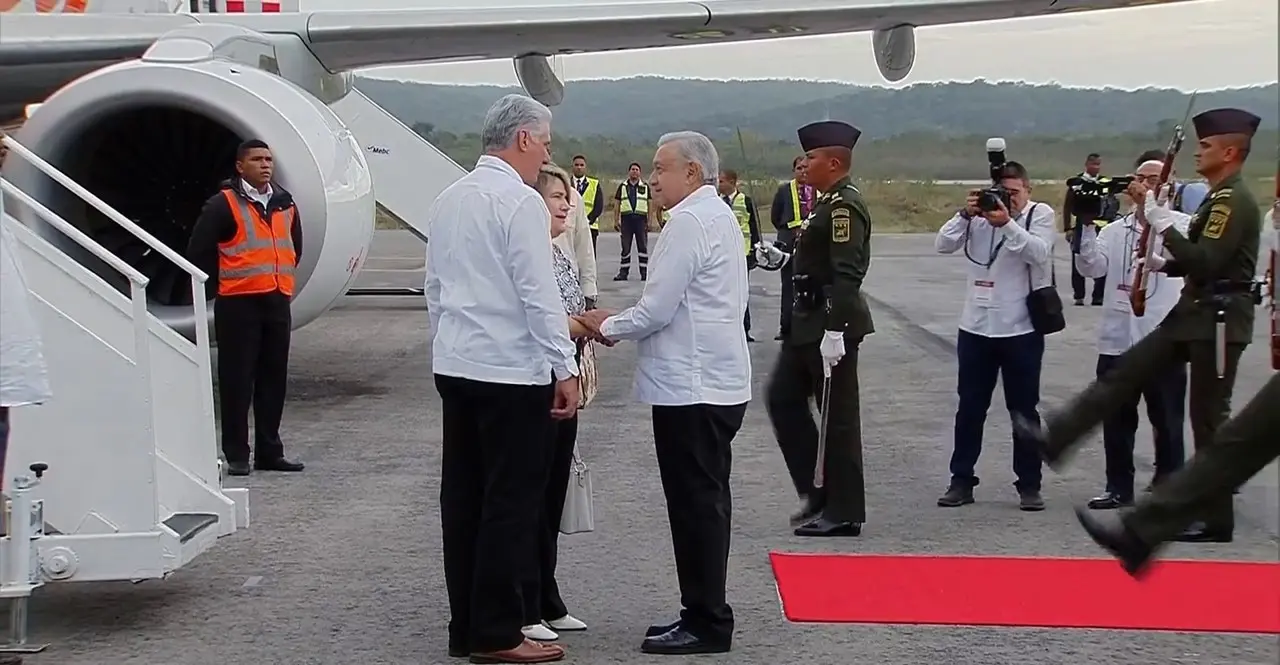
x: 744, y: 209
x: 589, y: 189
x: 831, y: 257
x: 631, y: 217
x: 1217, y: 260
x: 1244, y: 446
x: 248, y: 238
x: 791, y: 206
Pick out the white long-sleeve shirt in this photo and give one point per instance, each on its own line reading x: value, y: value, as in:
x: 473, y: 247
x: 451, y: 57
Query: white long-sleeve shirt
x: 575, y: 243
x: 692, y: 348
x: 1266, y: 244
x: 1005, y: 264
x: 1109, y: 255
x: 492, y: 298
x: 24, y: 377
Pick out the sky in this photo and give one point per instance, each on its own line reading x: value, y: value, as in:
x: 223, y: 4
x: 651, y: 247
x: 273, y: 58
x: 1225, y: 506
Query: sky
x: 1205, y: 44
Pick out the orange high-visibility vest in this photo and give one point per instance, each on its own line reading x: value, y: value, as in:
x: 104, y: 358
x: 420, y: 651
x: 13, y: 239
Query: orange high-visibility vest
x: 260, y: 258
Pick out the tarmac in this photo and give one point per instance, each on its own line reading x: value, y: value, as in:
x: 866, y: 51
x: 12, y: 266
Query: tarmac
x: 341, y: 564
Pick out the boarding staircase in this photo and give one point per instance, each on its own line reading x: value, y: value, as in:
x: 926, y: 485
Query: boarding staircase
x: 125, y: 481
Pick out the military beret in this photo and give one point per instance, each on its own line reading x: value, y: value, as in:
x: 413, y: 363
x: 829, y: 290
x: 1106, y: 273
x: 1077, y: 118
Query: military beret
x: 1216, y: 122
x: 828, y: 134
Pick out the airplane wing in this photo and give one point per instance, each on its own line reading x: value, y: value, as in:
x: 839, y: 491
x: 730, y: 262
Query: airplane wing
x: 350, y: 40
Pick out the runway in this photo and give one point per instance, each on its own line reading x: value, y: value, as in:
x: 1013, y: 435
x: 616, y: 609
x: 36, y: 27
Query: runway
x: 341, y: 564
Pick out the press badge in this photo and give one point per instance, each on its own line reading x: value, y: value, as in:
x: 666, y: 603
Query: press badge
x: 1121, y: 302
x: 982, y: 289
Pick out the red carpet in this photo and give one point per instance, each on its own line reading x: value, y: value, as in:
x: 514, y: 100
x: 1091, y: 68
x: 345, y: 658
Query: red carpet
x: 1208, y: 596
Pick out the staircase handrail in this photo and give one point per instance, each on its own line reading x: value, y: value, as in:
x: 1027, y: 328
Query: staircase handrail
x: 68, y: 229
x: 102, y: 207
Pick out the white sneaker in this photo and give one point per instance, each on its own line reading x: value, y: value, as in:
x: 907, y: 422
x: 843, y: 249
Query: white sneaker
x: 540, y: 633
x: 566, y: 623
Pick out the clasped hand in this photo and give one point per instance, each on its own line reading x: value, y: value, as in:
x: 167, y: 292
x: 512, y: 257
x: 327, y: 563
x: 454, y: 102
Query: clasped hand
x: 592, y: 320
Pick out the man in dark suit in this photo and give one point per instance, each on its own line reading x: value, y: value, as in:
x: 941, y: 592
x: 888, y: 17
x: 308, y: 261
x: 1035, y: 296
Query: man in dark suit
x: 792, y: 204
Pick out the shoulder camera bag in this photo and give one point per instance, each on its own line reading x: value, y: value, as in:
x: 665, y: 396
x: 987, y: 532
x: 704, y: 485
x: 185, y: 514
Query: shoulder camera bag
x: 1043, y: 304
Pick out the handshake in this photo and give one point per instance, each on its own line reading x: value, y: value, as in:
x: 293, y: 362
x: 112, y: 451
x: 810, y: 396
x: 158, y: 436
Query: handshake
x: 587, y: 325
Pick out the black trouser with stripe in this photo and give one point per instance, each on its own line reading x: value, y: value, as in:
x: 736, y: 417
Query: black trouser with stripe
x: 634, y: 227
x: 252, y: 333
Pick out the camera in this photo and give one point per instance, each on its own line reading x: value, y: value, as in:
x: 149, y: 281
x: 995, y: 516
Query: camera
x: 1096, y: 198
x: 989, y: 199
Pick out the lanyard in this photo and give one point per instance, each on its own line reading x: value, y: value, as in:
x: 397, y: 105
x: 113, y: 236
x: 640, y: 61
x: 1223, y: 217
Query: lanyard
x: 993, y: 248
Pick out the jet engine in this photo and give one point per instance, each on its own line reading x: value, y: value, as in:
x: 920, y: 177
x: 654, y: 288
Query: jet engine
x: 155, y: 139
x: 895, y: 50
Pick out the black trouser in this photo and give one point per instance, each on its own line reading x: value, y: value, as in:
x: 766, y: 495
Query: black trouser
x: 595, y: 235
x: 1078, y: 285
x: 634, y: 227
x: 253, y: 334
x: 1209, y: 398
x: 1166, y: 397
x: 542, y: 600
x: 491, y: 486
x: 693, y: 445
x: 797, y: 377
x: 1242, y: 447
x: 1016, y: 361
x: 788, y: 298
x: 4, y: 440
x: 746, y: 315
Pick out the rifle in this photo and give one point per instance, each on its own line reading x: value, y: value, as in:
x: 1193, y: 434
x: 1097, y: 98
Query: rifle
x: 1146, y: 243
x: 1273, y: 279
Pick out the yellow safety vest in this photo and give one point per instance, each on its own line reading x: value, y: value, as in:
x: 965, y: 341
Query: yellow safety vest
x: 796, y: 219
x: 589, y: 199
x: 642, y: 200
x: 739, y: 205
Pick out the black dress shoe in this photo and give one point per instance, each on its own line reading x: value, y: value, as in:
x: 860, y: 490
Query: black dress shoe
x: 661, y: 629
x: 1109, y: 501
x: 681, y: 642
x: 237, y: 468
x: 825, y: 528
x: 1200, y: 534
x: 459, y: 652
x: 810, y: 509
x: 280, y: 464
x: 1132, y: 553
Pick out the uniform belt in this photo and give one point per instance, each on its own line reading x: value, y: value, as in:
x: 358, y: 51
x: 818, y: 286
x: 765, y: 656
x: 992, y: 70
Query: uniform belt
x: 1226, y: 287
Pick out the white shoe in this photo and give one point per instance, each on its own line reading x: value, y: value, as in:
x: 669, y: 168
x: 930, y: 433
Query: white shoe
x: 540, y: 633
x: 566, y: 623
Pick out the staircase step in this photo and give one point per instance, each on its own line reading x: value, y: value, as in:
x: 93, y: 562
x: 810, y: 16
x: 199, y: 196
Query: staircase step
x: 189, y: 525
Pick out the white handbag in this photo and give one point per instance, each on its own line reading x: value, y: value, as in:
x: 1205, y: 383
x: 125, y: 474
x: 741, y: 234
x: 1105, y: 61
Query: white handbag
x: 578, y: 516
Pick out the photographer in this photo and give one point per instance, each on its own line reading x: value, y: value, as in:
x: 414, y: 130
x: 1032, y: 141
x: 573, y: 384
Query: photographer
x: 1008, y: 240
x: 1110, y: 257
x: 1079, y: 216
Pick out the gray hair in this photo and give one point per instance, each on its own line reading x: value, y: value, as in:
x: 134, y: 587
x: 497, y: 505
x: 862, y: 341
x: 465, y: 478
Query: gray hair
x: 507, y: 117
x: 698, y: 149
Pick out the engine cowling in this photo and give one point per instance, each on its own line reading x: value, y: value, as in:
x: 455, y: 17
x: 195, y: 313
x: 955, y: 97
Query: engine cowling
x: 156, y: 139
x: 895, y: 50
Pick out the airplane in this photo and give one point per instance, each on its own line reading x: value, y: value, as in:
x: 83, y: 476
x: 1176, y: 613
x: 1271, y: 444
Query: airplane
x: 143, y: 101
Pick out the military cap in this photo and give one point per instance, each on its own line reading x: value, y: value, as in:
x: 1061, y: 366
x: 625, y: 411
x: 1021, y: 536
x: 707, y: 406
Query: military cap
x: 828, y: 134
x: 1216, y: 122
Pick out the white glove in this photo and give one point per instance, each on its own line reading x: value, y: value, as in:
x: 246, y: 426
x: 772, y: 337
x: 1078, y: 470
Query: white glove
x: 1159, y: 217
x: 770, y: 257
x: 1156, y: 264
x: 832, y: 349
x: 1164, y: 196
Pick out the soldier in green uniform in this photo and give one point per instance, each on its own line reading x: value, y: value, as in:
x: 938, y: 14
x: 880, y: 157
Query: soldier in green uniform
x: 1242, y: 447
x: 830, y: 260
x: 1209, y: 327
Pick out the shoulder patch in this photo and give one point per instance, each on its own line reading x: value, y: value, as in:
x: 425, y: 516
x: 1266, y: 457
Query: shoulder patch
x: 1221, y: 194
x: 841, y: 225
x: 1217, y: 222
